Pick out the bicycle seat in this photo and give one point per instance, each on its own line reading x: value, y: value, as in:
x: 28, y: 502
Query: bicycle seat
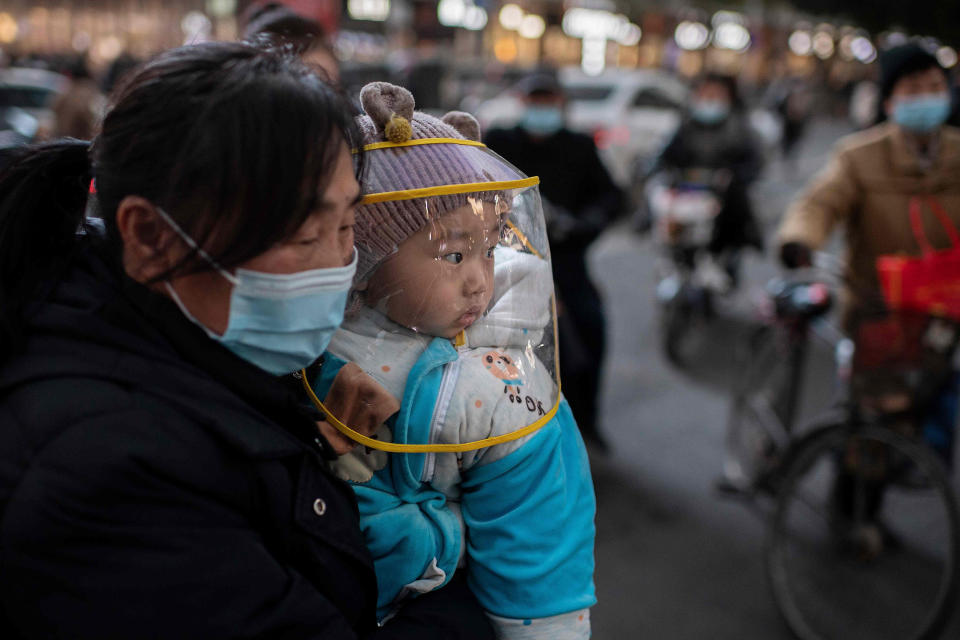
x: 796, y: 300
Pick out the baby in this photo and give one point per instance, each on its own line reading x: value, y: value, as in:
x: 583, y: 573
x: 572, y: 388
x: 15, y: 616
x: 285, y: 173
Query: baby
x: 453, y: 301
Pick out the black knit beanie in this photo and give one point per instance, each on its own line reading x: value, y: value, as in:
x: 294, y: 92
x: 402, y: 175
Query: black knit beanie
x: 901, y: 61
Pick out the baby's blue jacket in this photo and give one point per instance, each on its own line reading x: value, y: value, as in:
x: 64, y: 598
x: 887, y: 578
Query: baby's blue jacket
x: 528, y: 516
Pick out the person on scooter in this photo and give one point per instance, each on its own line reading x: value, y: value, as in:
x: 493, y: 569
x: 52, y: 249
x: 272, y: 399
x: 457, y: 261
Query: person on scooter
x: 716, y: 136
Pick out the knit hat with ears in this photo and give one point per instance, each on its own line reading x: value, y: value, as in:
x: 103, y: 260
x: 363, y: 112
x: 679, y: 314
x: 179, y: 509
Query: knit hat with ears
x: 390, y: 118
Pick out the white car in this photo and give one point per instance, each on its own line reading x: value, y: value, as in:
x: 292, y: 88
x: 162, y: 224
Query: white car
x: 630, y: 113
x: 33, y: 91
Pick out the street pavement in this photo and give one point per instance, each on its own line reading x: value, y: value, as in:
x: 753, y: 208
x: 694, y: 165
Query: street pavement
x: 674, y: 560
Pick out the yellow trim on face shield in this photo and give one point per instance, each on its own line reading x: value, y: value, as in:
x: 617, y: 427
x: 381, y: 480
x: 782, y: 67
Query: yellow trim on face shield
x: 422, y: 141
x: 394, y: 447
x: 448, y: 190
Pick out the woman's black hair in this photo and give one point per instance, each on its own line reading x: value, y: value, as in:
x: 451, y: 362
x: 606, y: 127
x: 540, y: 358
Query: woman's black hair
x: 276, y: 24
x: 234, y: 142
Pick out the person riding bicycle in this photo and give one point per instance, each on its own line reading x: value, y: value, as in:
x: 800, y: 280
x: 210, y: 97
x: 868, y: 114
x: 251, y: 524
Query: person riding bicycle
x: 716, y: 136
x: 869, y: 184
x: 872, y: 175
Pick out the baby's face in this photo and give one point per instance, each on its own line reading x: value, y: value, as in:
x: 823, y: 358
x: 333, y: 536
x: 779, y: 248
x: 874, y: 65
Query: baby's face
x: 440, y: 280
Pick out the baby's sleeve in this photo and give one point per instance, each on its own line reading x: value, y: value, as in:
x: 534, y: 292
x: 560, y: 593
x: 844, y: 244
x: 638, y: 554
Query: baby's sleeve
x: 530, y: 534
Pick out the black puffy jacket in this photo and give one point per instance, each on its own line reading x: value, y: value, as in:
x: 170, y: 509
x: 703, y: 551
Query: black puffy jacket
x: 154, y: 485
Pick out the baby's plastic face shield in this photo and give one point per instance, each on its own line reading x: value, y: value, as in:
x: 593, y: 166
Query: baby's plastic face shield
x: 476, y: 272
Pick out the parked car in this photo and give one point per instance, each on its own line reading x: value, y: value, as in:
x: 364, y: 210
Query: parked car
x: 33, y: 91
x: 630, y: 113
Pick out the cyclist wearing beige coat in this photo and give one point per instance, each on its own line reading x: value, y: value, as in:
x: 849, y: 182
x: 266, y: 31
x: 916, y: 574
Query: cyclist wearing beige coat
x: 872, y: 176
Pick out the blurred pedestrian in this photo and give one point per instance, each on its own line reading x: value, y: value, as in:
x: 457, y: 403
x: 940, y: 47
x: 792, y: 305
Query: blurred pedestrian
x: 794, y: 106
x: 580, y: 199
x: 716, y: 136
x: 158, y: 478
x: 77, y: 112
x: 280, y: 25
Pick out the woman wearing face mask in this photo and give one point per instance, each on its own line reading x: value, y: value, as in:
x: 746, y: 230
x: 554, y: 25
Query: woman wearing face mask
x: 716, y: 136
x: 872, y: 176
x: 157, y: 477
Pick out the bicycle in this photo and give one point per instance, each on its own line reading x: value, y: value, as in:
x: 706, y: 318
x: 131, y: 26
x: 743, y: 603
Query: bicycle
x: 684, y: 206
x: 863, y: 538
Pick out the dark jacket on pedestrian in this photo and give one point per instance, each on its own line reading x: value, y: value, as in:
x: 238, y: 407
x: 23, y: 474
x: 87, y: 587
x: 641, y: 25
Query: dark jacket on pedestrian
x: 572, y: 178
x: 154, y: 485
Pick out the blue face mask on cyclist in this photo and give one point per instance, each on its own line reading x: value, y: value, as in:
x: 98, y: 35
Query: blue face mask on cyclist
x: 542, y: 121
x: 709, y: 112
x: 279, y: 322
x: 923, y: 113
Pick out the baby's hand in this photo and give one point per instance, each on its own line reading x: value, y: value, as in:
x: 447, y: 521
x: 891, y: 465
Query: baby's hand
x: 359, y: 402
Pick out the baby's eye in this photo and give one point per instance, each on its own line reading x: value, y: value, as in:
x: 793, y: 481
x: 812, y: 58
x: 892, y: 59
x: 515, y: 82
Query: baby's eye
x: 454, y: 258
x: 490, y: 251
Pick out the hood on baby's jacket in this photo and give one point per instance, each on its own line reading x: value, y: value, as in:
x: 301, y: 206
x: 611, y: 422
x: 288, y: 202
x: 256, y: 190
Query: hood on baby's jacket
x: 521, y: 307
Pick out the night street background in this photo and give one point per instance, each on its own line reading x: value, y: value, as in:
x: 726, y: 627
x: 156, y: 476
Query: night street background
x: 674, y: 559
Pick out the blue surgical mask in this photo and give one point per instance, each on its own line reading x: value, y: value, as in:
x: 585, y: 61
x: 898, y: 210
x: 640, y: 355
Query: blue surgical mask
x: 923, y: 113
x: 542, y: 121
x: 279, y: 322
x: 709, y: 112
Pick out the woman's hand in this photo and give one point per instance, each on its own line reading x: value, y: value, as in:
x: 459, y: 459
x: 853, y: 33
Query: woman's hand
x: 359, y: 402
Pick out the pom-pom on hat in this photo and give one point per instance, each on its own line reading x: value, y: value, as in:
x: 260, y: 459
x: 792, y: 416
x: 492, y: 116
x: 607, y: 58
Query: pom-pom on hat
x: 418, y: 168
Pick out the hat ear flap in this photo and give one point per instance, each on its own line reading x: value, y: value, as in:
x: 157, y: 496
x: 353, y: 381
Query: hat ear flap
x: 465, y: 124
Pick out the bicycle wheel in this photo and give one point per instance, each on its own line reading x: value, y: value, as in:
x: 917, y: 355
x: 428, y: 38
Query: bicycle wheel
x: 676, y: 318
x: 854, y: 552
x: 755, y: 418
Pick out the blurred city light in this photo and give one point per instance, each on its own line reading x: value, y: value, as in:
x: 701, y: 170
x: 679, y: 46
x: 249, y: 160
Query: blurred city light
x: 947, y: 57
x: 890, y: 39
x: 196, y: 28
x: 725, y: 17
x: 511, y: 17
x: 691, y: 35
x: 221, y: 8
x: 8, y: 28
x: 81, y: 41
x: 475, y: 18
x: 823, y: 45
x: 110, y: 47
x: 732, y: 36
x: 461, y: 13
x: 594, y: 55
x: 532, y: 26
x: 863, y: 50
x: 800, y: 43
x: 373, y: 10
x: 630, y: 35
x: 596, y: 28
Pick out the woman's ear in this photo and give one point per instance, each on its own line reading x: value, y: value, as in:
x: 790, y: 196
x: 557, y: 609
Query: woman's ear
x: 465, y: 124
x: 148, y: 241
